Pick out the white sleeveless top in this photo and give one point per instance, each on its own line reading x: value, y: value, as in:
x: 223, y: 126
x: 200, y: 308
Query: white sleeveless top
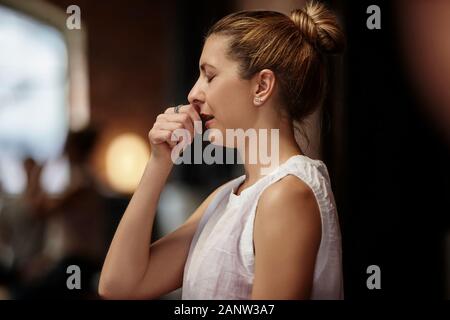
x: 220, y: 263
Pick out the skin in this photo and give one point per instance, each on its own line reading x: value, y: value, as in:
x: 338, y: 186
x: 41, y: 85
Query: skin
x: 287, y: 212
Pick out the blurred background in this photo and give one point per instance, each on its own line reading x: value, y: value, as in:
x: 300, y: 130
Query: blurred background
x: 76, y: 106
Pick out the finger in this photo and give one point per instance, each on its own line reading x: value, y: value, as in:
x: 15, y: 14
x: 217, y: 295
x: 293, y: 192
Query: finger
x: 195, y: 116
x: 188, y: 109
x: 161, y: 136
x: 173, y: 126
x: 181, y: 118
x: 193, y: 112
x: 179, y: 134
x: 173, y: 136
x: 169, y: 125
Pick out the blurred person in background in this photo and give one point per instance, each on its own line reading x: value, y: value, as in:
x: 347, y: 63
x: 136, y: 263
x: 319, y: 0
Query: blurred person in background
x: 75, y: 230
x: 22, y: 227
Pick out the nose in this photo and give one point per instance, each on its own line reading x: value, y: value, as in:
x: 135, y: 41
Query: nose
x: 196, y: 96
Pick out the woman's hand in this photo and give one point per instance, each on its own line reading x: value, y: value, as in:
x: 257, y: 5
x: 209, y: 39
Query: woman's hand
x: 163, y: 137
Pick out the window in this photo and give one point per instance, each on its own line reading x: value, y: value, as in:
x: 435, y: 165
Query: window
x: 39, y: 67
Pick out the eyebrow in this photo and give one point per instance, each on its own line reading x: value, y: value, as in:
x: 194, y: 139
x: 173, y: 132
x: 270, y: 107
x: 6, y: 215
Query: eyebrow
x: 203, y: 65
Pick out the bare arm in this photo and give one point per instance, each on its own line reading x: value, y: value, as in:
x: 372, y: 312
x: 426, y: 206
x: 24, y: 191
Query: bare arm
x: 168, y: 257
x: 287, y: 236
x: 158, y: 268
x: 133, y: 268
x: 128, y: 254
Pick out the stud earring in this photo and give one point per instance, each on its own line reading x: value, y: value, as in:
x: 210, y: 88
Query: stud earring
x: 258, y: 100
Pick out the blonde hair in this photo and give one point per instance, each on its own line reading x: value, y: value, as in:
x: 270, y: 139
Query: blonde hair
x: 292, y: 47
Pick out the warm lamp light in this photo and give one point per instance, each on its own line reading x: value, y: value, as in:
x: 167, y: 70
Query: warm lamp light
x: 126, y: 157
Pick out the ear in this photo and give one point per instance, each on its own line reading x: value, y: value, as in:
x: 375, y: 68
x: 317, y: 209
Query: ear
x: 264, y: 84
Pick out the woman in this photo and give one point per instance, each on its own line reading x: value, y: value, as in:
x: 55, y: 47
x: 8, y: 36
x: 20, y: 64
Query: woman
x: 259, y: 236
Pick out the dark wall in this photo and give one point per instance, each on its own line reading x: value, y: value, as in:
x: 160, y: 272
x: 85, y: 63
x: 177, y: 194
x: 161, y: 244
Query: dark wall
x: 393, y: 208
x: 128, y: 54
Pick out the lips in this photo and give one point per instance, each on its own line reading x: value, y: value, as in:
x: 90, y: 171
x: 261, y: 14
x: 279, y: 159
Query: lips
x: 205, y: 118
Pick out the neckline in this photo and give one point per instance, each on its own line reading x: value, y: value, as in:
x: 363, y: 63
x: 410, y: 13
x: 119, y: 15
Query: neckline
x: 241, y: 179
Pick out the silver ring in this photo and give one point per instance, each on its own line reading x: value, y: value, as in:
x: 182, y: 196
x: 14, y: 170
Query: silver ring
x: 177, y: 108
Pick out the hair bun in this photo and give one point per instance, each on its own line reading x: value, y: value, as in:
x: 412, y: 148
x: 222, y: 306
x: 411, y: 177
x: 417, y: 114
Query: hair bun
x: 319, y: 26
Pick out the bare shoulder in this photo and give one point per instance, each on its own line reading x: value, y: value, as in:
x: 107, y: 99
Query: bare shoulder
x: 290, y: 193
x: 286, y: 235
x: 288, y: 204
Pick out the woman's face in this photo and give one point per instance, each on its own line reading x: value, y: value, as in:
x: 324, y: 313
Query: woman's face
x: 220, y: 92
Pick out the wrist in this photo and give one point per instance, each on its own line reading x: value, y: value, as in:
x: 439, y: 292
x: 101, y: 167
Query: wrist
x: 160, y: 164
